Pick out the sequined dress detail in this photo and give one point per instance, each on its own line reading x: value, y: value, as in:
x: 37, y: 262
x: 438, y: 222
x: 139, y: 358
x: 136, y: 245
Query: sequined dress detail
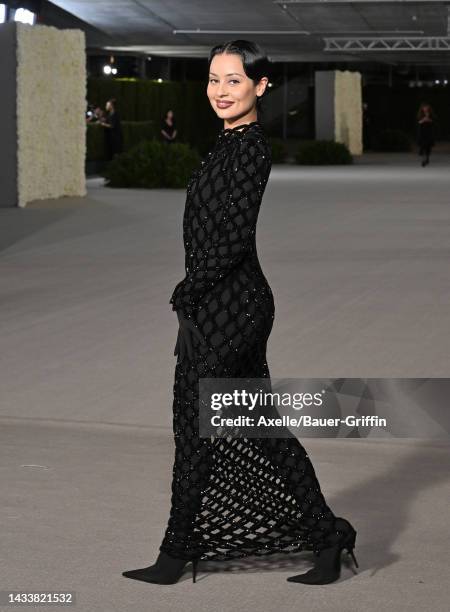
x: 232, y: 498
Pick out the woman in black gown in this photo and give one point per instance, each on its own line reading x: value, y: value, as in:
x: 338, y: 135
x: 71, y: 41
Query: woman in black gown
x: 234, y: 497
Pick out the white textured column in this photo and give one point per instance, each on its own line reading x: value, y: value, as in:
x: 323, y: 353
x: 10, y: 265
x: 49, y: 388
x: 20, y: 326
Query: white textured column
x: 338, y: 108
x: 46, y: 76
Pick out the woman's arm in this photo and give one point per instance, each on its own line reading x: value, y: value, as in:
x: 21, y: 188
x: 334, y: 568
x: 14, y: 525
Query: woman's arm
x: 249, y: 171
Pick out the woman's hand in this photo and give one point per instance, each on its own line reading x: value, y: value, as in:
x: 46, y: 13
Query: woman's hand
x: 186, y: 332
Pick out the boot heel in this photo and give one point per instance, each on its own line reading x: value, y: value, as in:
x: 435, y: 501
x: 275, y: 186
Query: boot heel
x: 350, y: 550
x: 350, y: 546
x: 194, y: 569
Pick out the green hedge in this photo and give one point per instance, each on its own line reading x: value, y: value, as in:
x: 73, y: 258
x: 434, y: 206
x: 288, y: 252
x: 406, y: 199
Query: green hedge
x: 145, y: 100
x: 279, y: 150
x: 133, y: 133
x: 391, y: 140
x: 152, y: 164
x: 321, y: 152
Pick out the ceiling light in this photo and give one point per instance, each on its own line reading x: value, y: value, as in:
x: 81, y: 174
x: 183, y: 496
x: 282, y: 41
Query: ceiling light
x: 24, y: 16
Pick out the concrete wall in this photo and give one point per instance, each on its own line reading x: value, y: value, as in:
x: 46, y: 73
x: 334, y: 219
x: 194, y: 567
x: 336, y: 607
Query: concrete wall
x: 324, y: 104
x: 8, y: 118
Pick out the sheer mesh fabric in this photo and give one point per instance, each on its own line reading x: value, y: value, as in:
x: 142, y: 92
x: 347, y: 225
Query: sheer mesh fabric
x: 234, y: 497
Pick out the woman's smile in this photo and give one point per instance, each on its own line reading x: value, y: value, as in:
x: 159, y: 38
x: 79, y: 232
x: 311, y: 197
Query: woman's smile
x: 224, y: 103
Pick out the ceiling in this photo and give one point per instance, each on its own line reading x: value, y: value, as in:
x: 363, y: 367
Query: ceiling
x: 292, y: 30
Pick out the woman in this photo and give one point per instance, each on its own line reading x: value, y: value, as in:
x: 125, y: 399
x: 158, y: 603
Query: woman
x: 113, y: 130
x: 425, y: 132
x: 168, y: 129
x: 234, y: 497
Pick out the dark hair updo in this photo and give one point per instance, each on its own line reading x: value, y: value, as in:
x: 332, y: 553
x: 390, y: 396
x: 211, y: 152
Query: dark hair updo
x: 255, y: 61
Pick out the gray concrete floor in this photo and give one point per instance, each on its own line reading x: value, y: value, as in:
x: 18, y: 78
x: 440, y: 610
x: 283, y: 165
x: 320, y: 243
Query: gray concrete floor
x: 81, y: 503
x: 357, y: 258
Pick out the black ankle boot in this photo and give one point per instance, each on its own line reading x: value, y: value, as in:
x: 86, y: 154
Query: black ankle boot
x: 166, y: 570
x: 328, y: 564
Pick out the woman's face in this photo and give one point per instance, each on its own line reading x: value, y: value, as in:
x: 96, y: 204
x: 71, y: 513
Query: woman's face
x: 228, y: 84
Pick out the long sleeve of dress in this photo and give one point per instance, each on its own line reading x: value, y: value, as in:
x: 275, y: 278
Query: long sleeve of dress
x: 224, y: 248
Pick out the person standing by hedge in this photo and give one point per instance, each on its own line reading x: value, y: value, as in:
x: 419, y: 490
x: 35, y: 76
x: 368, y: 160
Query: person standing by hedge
x: 113, y: 130
x: 168, y: 129
x: 366, y: 127
x: 425, y: 132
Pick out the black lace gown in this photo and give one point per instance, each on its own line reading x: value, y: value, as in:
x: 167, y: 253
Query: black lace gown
x: 239, y: 497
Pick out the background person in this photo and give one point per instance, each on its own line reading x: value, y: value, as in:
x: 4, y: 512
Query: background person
x: 425, y: 132
x: 168, y: 129
x: 113, y: 130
